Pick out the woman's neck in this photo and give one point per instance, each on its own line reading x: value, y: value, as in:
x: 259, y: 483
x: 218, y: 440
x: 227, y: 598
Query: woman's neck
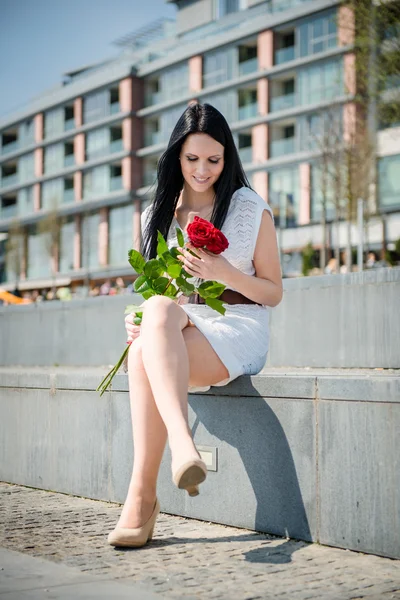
x: 196, y: 201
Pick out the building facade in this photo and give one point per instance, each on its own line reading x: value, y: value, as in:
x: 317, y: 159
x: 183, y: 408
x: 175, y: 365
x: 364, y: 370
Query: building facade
x: 88, y: 151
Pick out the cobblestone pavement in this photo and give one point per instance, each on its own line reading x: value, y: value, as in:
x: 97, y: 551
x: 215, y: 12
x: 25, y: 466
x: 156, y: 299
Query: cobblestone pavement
x: 187, y: 558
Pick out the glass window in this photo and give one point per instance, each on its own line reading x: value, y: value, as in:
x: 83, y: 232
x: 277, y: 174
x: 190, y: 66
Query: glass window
x: 174, y: 82
x: 26, y: 168
x: 219, y: 66
x: 90, y: 240
x: 318, y: 33
x: 96, y: 106
x: 322, y: 190
x: 54, y: 122
x: 26, y: 134
x: 52, y: 193
x: 53, y: 158
x: 283, y: 195
x: 25, y: 201
x: 323, y: 81
x: 168, y: 120
x: 120, y: 234
x: 38, y: 254
x: 97, y: 143
x: 389, y: 181
x: 96, y: 182
x: 66, y: 252
x: 226, y: 103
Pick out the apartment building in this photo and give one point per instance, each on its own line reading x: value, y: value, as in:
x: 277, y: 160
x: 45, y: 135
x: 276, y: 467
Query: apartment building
x: 88, y: 150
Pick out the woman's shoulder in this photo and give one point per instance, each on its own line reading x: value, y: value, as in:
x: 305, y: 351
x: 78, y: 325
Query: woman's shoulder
x: 245, y: 196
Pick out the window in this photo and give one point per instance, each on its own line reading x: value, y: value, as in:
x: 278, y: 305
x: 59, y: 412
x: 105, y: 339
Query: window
x: 120, y: 234
x: 318, y: 34
x: 283, y: 195
x: 389, y: 181
x: 169, y: 119
x: 25, y: 201
x: 322, y: 189
x: 54, y: 122
x: 66, y: 251
x: 97, y: 143
x: 26, y: 167
x: 52, y: 193
x: 174, y: 83
x: 90, y: 236
x: 38, y: 255
x: 96, y: 106
x: 219, y: 66
x: 320, y: 82
x: 53, y: 158
x: 226, y: 7
x: 226, y: 103
x: 96, y: 182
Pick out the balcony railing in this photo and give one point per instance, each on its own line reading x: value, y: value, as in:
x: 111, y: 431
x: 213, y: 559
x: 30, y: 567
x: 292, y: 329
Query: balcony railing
x: 116, y: 146
x: 284, y: 55
x: 69, y: 124
x: 115, y: 108
x: 69, y: 195
x: 248, y: 66
x: 155, y: 137
x: 11, y: 147
x: 246, y: 154
x: 8, y: 212
x: 115, y: 184
x: 9, y: 180
x: 282, y: 102
x: 283, y: 146
x: 247, y: 112
x: 69, y: 160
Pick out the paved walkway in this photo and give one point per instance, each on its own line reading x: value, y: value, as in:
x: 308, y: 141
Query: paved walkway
x: 186, y: 559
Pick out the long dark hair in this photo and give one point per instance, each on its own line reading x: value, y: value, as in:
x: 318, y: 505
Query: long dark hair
x: 197, y: 118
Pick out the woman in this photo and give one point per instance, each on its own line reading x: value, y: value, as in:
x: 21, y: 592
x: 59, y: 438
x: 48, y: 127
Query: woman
x: 191, y: 346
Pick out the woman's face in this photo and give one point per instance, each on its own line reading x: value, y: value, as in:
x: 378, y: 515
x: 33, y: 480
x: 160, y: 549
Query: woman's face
x: 202, y: 161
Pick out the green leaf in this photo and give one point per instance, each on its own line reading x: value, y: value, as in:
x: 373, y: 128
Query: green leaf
x: 216, y: 305
x: 149, y: 293
x: 180, y: 237
x: 141, y: 284
x: 162, y: 246
x: 137, y: 261
x: 186, y: 287
x: 210, y: 289
x: 185, y: 274
x: 132, y: 308
x: 160, y: 284
x: 174, y: 270
x: 175, y: 252
x: 137, y: 320
x: 169, y: 259
x: 153, y: 269
x: 171, y: 292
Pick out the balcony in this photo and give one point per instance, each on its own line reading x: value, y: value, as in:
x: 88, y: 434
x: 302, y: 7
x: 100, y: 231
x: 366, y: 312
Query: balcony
x: 69, y: 124
x: 282, y: 147
x: 246, y: 154
x: 153, y: 138
x: 116, y: 146
x: 9, y: 180
x: 69, y: 160
x: 282, y: 102
x: 11, y: 147
x: 248, y: 112
x: 9, y: 212
x: 284, y: 55
x: 154, y: 98
x: 115, y: 184
x: 248, y: 66
x: 115, y: 108
x: 69, y: 196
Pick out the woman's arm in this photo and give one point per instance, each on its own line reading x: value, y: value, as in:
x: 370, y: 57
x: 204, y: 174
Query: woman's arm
x: 265, y: 287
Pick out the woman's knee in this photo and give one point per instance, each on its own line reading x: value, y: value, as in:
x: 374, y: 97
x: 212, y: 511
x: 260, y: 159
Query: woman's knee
x: 159, y: 311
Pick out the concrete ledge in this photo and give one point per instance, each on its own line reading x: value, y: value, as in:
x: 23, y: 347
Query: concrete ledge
x: 311, y: 454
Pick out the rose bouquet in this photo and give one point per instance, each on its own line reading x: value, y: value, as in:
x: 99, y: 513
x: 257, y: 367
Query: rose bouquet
x: 165, y: 276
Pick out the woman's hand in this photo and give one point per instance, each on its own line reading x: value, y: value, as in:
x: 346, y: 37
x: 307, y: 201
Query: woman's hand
x: 205, y: 264
x: 133, y: 331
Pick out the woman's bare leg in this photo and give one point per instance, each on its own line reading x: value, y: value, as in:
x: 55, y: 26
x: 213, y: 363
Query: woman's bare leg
x: 150, y: 436
x: 166, y: 360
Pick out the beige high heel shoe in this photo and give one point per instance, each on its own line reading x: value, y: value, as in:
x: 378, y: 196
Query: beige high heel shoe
x: 189, y: 475
x: 135, y: 537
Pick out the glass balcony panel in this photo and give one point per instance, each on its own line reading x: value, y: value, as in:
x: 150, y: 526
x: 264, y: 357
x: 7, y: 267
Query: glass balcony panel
x: 282, y: 102
x: 69, y: 124
x: 69, y: 160
x: 114, y: 108
x: 11, y: 147
x: 8, y: 212
x: 248, y: 66
x: 246, y: 154
x: 9, y: 180
x: 149, y: 178
x: 152, y: 138
x: 284, y: 55
x: 283, y: 146
x: 69, y: 196
x: 248, y: 111
x: 115, y: 183
x: 116, y: 146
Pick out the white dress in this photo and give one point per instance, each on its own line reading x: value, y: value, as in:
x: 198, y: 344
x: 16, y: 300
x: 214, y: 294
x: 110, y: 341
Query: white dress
x: 241, y: 336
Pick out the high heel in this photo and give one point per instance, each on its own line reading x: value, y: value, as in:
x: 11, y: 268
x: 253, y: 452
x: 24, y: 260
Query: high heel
x: 189, y: 475
x: 135, y: 537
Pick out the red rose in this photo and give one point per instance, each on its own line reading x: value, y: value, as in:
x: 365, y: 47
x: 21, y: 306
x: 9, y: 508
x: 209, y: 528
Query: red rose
x: 218, y: 242
x: 200, y: 232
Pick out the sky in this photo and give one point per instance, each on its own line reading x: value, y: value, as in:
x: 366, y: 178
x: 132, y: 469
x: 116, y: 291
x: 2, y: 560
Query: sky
x: 42, y: 39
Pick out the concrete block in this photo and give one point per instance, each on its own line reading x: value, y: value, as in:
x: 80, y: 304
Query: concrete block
x: 359, y: 476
